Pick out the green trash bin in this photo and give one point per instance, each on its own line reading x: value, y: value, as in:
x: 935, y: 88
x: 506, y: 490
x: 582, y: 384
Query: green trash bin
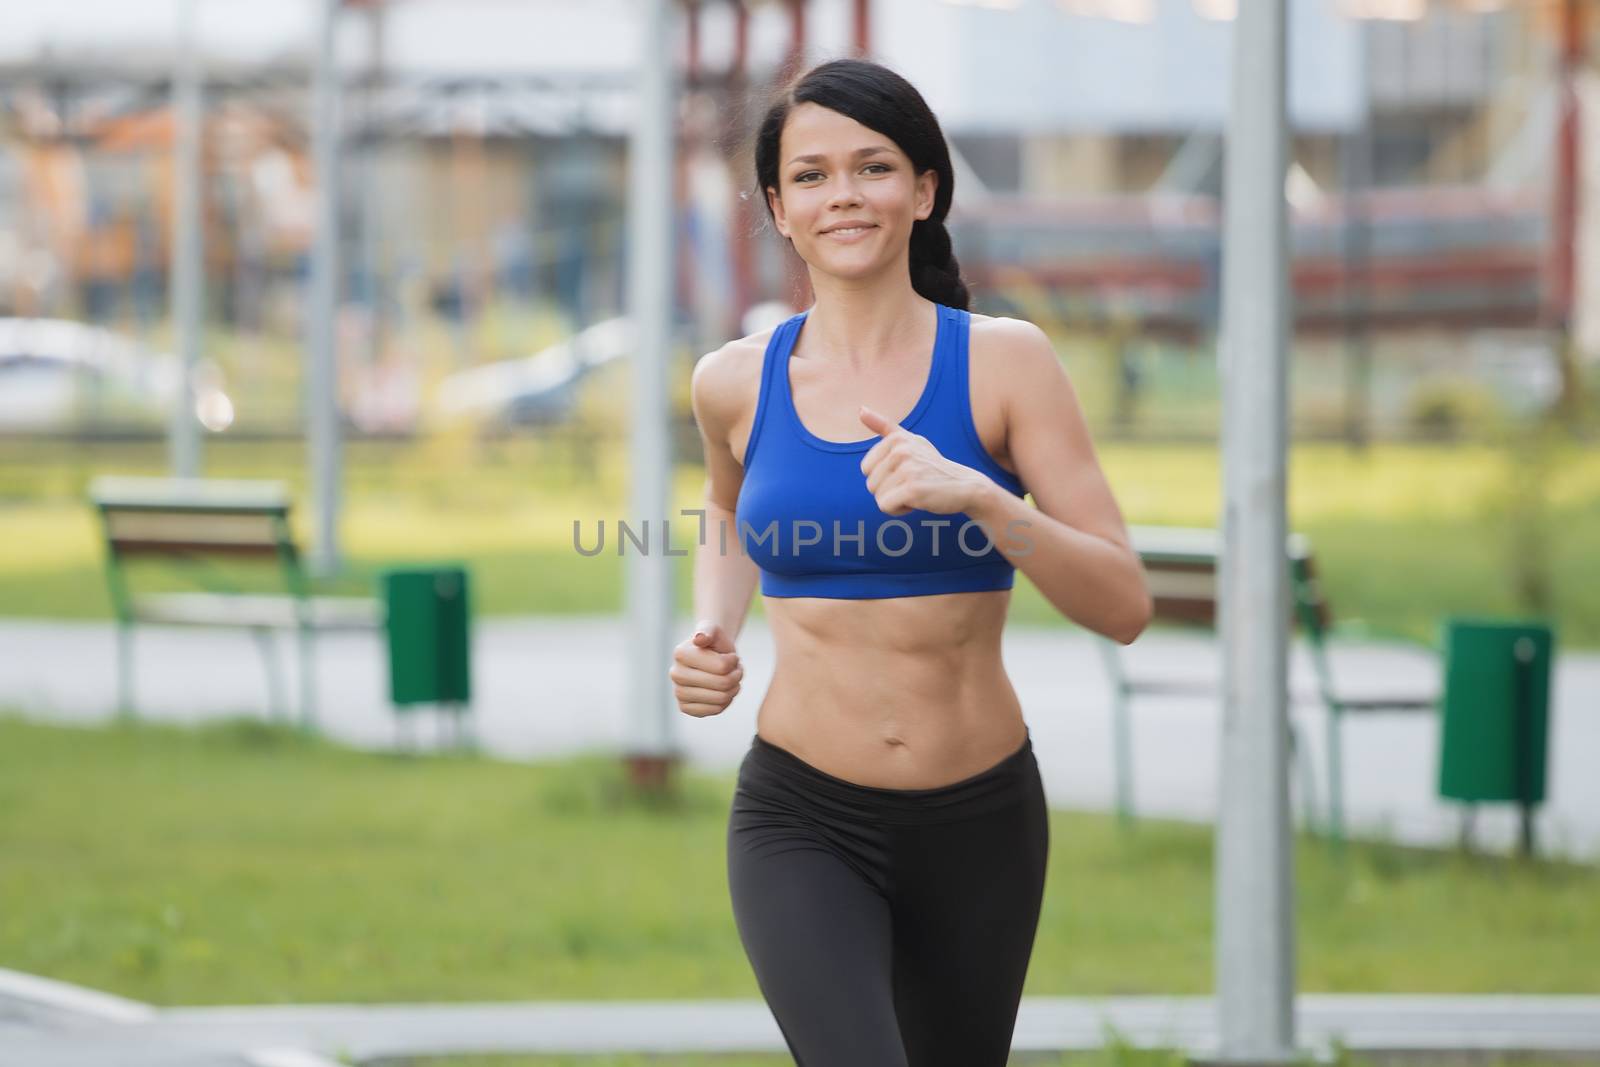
x: 1495, y: 730
x: 429, y: 631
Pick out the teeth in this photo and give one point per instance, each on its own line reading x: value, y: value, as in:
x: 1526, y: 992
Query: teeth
x: 852, y: 229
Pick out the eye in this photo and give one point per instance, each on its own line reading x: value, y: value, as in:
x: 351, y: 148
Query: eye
x: 800, y: 178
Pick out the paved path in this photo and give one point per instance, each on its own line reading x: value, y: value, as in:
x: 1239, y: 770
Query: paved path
x: 126, y: 1034
x: 549, y: 686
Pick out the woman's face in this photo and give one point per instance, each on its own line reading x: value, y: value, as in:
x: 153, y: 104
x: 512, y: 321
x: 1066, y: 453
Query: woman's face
x: 833, y: 170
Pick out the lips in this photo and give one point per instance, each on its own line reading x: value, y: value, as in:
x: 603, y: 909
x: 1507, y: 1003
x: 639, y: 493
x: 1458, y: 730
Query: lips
x: 849, y: 233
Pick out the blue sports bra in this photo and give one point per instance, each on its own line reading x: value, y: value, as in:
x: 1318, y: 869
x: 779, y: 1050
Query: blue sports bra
x: 807, y: 519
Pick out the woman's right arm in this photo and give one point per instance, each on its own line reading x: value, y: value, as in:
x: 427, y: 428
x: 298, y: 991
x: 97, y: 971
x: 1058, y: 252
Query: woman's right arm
x: 706, y: 671
x: 724, y: 581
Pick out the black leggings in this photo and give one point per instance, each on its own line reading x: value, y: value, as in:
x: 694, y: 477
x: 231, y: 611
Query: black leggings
x: 888, y: 927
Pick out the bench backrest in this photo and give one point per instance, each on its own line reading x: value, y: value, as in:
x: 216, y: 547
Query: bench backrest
x: 190, y: 519
x: 1181, y: 566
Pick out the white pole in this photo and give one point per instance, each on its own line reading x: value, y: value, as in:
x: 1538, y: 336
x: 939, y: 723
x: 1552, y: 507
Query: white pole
x: 1255, y: 948
x: 321, y: 392
x: 650, y: 205
x: 187, y: 277
x: 371, y: 213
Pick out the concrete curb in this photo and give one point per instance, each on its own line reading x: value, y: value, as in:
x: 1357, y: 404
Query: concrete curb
x: 45, y: 1000
x: 302, y: 1035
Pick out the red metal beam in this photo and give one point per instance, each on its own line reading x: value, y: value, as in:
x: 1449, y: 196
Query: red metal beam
x: 863, y: 27
x: 1564, y: 209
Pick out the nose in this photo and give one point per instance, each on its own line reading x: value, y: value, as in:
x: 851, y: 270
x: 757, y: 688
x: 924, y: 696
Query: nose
x: 845, y: 192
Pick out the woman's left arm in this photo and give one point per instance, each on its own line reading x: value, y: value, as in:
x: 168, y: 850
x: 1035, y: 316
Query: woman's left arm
x: 1074, y: 546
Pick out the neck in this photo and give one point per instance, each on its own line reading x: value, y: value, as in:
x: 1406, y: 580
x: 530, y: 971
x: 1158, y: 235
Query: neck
x: 860, y: 324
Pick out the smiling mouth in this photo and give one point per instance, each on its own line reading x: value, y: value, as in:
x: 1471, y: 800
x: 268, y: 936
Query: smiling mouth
x: 849, y: 231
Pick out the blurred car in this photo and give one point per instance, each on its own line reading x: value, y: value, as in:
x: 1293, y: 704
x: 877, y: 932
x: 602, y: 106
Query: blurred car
x: 56, y: 374
x: 534, y: 390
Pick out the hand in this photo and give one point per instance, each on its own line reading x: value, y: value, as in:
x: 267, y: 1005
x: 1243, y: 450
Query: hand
x: 705, y: 671
x: 905, y: 472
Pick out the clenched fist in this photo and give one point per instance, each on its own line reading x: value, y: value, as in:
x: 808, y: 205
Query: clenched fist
x: 906, y: 472
x: 705, y: 671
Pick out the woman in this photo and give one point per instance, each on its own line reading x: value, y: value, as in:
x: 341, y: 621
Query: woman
x: 888, y: 835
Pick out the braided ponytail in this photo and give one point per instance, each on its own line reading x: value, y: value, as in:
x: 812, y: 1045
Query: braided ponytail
x: 935, y: 274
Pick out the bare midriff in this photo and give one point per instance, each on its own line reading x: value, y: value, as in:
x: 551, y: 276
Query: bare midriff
x: 896, y: 693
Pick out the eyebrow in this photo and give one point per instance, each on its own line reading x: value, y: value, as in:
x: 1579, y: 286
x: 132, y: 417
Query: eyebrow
x: 858, y: 152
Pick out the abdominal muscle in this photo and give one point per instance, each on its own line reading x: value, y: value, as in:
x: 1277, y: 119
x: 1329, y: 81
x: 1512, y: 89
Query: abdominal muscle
x: 896, y: 693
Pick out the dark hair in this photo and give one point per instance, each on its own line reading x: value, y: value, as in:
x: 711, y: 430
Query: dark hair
x: 881, y: 100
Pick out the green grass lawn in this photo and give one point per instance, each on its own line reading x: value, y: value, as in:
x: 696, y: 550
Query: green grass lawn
x: 237, y: 863
x: 1404, y: 534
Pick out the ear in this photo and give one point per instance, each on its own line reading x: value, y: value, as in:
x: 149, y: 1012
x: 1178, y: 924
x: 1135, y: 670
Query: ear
x: 776, y: 202
x: 927, y: 189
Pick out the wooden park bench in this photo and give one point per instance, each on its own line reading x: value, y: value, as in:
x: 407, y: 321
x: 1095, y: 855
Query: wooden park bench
x: 198, y: 523
x: 1181, y: 568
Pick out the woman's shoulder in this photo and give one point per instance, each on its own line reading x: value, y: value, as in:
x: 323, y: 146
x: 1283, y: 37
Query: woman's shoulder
x: 725, y: 381
x: 1000, y: 328
x: 1006, y: 346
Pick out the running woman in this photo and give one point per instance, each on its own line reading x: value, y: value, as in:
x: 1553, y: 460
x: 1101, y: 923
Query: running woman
x: 888, y: 834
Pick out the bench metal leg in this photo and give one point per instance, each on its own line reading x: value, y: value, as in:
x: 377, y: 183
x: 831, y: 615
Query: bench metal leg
x: 1124, y: 755
x: 1335, y: 826
x: 1121, y: 731
x: 308, y: 680
x: 272, y: 665
x: 125, y: 706
x: 1307, y: 775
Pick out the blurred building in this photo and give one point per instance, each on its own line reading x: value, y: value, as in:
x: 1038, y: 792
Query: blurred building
x: 485, y: 148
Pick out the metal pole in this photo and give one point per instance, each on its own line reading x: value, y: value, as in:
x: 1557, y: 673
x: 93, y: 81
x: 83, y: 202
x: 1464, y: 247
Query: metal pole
x: 1357, y: 173
x: 372, y: 287
x: 649, y: 589
x: 188, y: 250
x: 321, y: 394
x: 1254, y: 890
